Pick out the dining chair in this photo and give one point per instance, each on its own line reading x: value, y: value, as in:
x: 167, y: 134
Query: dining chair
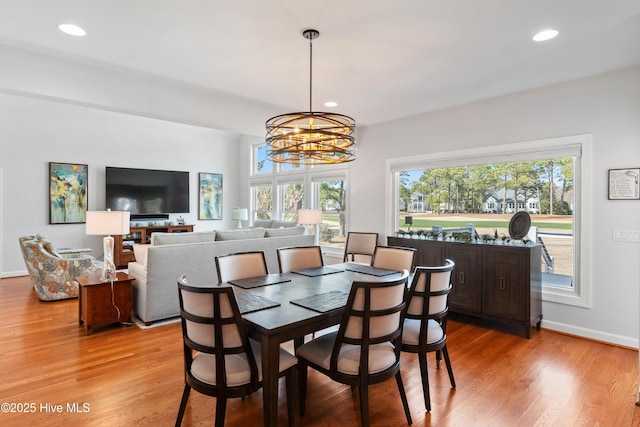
x: 366, y: 348
x: 360, y: 246
x: 299, y: 258
x: 219, y: 359
x: 425, y: 320
x: 394, y: 258
x: 241, y: 265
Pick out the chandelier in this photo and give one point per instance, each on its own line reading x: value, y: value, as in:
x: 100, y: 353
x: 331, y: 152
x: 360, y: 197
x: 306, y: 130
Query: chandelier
x: 311, y: 138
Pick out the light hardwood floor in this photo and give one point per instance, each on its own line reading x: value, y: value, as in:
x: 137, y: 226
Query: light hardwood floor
x: 126, y: 376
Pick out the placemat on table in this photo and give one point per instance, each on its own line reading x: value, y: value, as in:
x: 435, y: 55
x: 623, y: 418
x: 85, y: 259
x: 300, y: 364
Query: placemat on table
x: 248, y: 302
x: 318, y: 271
x: 323, y: 302
x: 256, y: 282
x: 367, y: 269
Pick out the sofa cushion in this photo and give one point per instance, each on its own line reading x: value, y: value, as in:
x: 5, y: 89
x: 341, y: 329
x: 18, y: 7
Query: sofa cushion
x: 140, y: 252
x: 240, y: 234
x: 179, y: 238
x: 280, y: 232
x: 264, y: 223
x: 280, y: 224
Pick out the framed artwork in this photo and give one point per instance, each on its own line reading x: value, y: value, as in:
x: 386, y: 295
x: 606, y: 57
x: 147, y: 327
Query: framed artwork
x: 623, y: 184
x: 67, y: 193
x: 210, y: 195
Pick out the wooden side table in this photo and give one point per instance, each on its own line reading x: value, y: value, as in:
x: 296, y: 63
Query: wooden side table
x: 98, y: 300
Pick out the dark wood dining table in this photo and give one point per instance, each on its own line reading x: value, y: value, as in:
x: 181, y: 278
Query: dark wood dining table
x: 288, y: 321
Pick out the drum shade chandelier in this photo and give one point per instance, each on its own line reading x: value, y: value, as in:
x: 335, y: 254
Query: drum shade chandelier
x: 311, y: 138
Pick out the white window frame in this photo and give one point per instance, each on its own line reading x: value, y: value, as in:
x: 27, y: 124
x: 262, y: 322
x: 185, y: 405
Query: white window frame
x: 580, y: 293
x: 308, y: 175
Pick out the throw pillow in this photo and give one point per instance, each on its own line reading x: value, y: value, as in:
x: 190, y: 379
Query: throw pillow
x: 281, y: 232
x: 264, y: 223
x: 241, y: 234
x: 158, y: 239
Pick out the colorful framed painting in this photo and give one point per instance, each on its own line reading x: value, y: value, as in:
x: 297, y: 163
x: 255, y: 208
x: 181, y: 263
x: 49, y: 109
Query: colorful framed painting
x: 210, y: 196
x: 67, y: 193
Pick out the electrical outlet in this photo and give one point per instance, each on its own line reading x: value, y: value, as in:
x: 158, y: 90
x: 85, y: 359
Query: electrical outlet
x: 620, y: 235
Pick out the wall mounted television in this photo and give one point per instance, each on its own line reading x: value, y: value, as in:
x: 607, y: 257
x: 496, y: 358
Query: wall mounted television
x: 147, y: 192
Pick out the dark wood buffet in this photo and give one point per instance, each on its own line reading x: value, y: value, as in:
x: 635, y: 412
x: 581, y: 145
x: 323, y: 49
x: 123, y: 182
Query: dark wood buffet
x: 496, y: 283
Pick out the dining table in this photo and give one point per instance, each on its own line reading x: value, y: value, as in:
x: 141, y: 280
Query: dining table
x: 280, y: 307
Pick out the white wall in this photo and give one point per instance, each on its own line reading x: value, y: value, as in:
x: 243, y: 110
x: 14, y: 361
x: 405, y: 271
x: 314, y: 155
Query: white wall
x: 34, y: 132
x: 606, y: 106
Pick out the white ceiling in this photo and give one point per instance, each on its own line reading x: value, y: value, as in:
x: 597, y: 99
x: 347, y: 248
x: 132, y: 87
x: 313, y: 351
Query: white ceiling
x: 380, y: 59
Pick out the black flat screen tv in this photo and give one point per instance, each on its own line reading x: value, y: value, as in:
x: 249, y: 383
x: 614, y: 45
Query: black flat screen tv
x: 147, y: 191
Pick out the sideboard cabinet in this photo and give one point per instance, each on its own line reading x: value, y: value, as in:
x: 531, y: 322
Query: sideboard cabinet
x: 502, y: 284
x: 123, y: 245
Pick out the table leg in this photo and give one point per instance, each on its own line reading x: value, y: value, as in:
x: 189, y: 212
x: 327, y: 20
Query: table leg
x: 270, y: 373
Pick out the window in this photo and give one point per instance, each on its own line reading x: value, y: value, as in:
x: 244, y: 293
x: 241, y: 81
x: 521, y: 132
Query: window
x: 292, y: 199
x: 298, y: 186
x: 262, y: 202
x: 330, y: 197
x: 544, y: 178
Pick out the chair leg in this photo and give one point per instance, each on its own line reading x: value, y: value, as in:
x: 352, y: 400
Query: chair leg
x: 183, y: 404
x: 221, y: 408
x: 403, y: 396
x: 364, y: 405
x: 291, y: 379
x: 438, y: 358
x: 448, y: 363
x: 302, y: 386
x: 424, y: 373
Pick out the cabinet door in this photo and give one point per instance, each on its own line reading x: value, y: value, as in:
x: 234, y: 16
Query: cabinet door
x: 505, y: 283
x: 466, y: 278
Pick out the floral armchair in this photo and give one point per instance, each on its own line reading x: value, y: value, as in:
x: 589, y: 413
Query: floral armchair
x: 53, y: 275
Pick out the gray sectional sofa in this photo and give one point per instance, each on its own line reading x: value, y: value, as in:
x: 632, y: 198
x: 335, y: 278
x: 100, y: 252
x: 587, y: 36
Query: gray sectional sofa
x: 159, y: 264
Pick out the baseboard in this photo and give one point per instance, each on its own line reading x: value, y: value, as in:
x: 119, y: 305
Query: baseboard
x: 619, y: 340
x: 7, y: 274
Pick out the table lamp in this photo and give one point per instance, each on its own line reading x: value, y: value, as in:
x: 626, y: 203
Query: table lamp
x: 240, y: 214
x: 310, y: 218
x: 106, y: 223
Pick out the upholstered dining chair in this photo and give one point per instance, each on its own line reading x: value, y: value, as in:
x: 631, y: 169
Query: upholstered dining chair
x: 394, y: 258
x: 366, y: 348
x: 219, y: 359
x: 241, y: 265
x: 299, y: 258
x: 359, y: 246
x: 425, y: 323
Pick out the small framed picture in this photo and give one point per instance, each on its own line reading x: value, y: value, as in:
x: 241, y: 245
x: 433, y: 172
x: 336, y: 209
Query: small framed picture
x: 623, y: 184
x: 210, y: 196
x: 67, y: 193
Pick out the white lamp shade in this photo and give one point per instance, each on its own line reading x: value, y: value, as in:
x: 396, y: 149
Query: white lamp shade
x: 309, y: 216
x: 106, y: 223
x: 240, y: 214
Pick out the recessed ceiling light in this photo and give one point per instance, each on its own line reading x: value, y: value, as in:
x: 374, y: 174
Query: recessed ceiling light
x: 72, y: 30
x: 545, y: 35
x: 331, y: 104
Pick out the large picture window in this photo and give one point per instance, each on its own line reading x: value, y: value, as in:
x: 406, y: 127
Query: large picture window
x: 542, y: 178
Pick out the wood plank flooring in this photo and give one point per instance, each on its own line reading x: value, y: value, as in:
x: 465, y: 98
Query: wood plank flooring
x: 125, y: 376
